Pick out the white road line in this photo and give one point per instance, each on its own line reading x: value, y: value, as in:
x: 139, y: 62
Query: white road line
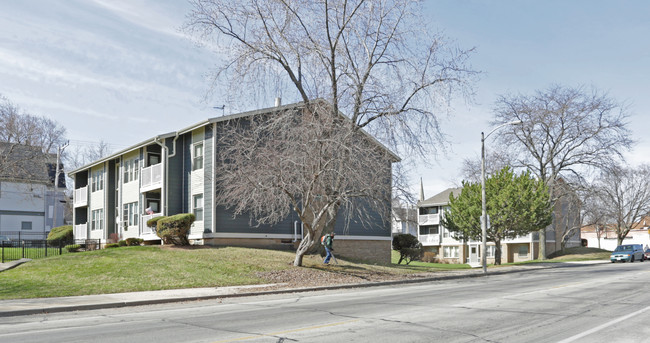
x: 600, y: 327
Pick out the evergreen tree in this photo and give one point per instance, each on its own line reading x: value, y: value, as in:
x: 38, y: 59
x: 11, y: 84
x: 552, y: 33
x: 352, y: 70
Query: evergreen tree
x: 516, y: 205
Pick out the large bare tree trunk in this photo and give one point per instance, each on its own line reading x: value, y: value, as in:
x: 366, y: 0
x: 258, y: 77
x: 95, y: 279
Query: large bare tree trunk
x: 306, y: 243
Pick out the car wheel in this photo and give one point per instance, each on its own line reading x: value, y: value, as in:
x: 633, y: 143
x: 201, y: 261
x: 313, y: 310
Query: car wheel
x: 632, y: 259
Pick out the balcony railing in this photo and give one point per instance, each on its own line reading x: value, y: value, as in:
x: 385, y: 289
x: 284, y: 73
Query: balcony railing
x: 145, y: 229
x: 81, y: 197
x: 151, y: 178
x: 80, y: 231
x: 429, y: 219
x: 429, y: 239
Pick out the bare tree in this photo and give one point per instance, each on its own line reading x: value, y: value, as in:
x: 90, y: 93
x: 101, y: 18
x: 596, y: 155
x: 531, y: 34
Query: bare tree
x: 495, y: 161
x: 373, y: 60
x: 302, y: 159
x: 25, y: 139
x: 82, y: 155
x: 564, y: 129
x: 624, y: 196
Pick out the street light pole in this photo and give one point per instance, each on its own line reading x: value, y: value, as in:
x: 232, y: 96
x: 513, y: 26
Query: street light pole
x: 483, y: 206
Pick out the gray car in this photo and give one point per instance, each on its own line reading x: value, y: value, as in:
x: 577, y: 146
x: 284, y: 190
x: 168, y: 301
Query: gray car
x: 628, y: 253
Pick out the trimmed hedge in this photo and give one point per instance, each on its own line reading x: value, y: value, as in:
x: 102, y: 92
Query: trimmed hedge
x: 111, y: 245
x: 175, y: 229
x: 134, y: 241
x: 61, y: 233
x: 153, y: 222
x: 409, y: 247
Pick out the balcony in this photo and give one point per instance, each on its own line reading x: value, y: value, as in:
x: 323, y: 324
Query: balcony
x: 429, y: 219
x: 80, y: 231
x: 148, y: 230
x: 429, y: 239
x: 81, y: 197
x: 151, y: 178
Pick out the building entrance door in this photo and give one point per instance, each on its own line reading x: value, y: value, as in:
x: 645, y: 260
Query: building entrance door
x: 473, y: 253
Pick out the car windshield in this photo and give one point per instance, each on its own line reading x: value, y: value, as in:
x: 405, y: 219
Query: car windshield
x: 624, y: 248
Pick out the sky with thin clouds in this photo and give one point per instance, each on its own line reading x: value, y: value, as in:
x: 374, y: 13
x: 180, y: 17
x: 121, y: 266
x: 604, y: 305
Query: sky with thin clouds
x: 121, y: 71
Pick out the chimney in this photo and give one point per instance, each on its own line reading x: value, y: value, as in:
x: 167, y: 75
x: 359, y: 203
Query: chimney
x: 278, y: 102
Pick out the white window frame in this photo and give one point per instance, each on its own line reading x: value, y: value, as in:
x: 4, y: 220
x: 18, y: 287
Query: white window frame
x: 197, y: 206
x: 97, y: 220
x: 97, y: 180
x: 197, y: 156
x: 450, y: 251
x: 131, y: 169
x: 130, y: 214
x: 491, y: 251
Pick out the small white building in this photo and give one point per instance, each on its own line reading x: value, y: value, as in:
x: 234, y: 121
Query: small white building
x: 606, y: 238
x: 28, y: 203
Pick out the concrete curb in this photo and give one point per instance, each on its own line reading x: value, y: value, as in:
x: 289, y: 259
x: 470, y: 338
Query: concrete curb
x: 106, y: 301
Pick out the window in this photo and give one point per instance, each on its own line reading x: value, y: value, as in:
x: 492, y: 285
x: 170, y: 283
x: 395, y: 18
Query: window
x: 97, y: 220
x: 429, y: 230
x: 197, y: 157
x: 445, y: 233
x: 450, y: 252
x: 130, y: 214
x: 25, y: 225
x: 131, y: 170
x: 197, y: 202
x: 97, y: 180
x: 428, y: 210
x: 523, y: 251
x: 490, y: 250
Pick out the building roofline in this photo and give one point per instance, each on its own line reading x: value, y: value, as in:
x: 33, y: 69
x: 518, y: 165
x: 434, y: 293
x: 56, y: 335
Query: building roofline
x: 211, y: 121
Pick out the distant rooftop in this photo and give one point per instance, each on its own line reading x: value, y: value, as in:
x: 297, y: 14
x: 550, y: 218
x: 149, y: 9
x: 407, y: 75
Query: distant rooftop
x: 441, y: 198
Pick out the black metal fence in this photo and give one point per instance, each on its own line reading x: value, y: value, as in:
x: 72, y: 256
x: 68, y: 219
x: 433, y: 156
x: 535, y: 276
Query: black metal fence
x: 11, y: 250
x: 23, y: 235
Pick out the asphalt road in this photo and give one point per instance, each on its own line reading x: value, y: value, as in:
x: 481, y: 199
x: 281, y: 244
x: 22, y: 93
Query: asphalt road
x: 586, y: 303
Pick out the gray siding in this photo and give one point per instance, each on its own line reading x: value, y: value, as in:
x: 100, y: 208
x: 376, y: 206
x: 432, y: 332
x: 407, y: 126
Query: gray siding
x: 176, y: 183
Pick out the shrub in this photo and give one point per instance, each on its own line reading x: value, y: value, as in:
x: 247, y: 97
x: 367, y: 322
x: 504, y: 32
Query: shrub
x: 112, y: 245
x: 134, y: 241
x: 73, y: 247
x: 174, y: 229
x: 60, y: 233
x: 113, y: 238
x: 429, y: 257
x: 121, y: 243
x: 153, y: 222
x: 409, y: 247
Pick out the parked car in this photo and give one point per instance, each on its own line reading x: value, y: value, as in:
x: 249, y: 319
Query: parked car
x: 628, y: 253
x: 647, y: 254
x: 6, y: 242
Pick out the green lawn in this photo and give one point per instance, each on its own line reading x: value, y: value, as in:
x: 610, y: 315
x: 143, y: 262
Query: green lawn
x: 144, y: 268
x: 129, y: 269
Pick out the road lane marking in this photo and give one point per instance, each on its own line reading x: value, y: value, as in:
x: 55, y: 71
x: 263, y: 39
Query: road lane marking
x: 286, y: 331
x: 600, y: 327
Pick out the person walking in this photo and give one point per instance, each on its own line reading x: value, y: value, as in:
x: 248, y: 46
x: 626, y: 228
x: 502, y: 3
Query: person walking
x: 327, y: 242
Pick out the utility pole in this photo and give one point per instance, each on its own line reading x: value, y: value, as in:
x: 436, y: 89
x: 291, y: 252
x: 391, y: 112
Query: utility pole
x: 59, y: 151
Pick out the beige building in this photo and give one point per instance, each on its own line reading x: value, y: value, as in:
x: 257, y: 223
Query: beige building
x: 437, y: 239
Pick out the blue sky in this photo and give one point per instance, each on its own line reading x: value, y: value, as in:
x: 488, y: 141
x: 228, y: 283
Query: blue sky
x: 122, y: 72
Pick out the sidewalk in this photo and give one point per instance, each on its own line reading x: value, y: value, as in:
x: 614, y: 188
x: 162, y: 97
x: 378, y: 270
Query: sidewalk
x: 17, y: 307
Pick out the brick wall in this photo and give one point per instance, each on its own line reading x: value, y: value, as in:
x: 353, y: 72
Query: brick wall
x: 366, y: 250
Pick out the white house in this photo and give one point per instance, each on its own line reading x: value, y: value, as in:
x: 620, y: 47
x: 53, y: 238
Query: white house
x: 28, y: 203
